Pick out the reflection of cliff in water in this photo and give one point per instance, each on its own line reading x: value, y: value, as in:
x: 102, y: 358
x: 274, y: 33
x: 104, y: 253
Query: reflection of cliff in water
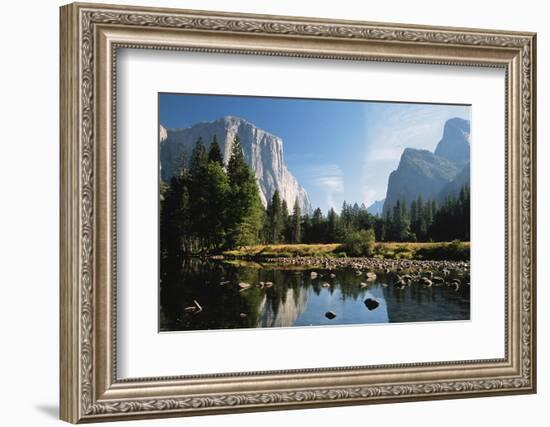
x: 278, y: 312
x: 234, y: 296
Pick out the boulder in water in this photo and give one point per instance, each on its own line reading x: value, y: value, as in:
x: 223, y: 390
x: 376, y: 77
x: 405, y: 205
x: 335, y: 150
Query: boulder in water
x: 371, y: 304
x: 330, y: 315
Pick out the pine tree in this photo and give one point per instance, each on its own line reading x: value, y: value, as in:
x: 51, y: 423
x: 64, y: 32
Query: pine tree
x: 274, y: 221
x: 380, y: 229
x: 346, y: 215
x: 215, y: 153
x: 174, y: 220
x: 245, y: 211
x: 296, y: 223
x: 199, y: 158
x: 389, y: 227
x: 400, y: 223
x: 317, y: 227
x: 414, y: 217
x: 306, y: 229
x: 466, y: 212
x: 287, y: 223
x: 216, y: 191
x: 198, y: 197
x: 332, y: 227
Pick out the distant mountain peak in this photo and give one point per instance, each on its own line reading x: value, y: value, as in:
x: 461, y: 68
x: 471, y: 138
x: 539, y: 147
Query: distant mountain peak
x: 231, y: 118
x: 376, y: 208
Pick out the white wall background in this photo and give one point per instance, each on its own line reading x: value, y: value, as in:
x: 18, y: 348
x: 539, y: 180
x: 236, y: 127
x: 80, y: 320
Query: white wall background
x: 29, y: 170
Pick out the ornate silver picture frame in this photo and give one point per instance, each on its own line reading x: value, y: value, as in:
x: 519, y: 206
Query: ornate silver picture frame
x: 91, y: 36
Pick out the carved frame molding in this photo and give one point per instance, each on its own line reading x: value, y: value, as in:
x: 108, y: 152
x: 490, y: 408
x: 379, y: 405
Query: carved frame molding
x: 90, y: 36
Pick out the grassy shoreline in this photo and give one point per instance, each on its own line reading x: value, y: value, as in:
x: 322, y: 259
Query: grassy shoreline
x: 458, y: 251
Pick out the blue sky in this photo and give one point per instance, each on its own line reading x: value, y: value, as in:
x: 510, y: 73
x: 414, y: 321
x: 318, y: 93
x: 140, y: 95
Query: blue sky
x: 338, y: 150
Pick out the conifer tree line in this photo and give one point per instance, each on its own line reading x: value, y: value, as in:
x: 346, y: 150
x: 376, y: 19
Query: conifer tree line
x: 207, y: 206
x: 210, y: 206
x: 419, y: 221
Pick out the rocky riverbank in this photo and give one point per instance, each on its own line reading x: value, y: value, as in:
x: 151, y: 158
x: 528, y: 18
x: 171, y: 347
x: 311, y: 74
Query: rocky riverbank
x: 374, y: 264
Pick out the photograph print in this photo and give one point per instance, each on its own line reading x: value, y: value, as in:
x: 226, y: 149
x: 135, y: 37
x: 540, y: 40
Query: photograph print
x: 291, y: 212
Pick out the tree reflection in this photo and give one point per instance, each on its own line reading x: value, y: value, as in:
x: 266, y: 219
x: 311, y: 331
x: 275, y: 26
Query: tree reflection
x: 272, y: 296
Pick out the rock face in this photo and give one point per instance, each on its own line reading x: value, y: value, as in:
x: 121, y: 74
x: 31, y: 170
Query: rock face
x: 376, y: 208
x: 163, y: 134
x: 262, y: 151
x: 455, y: 143
x: 453, y: 187
x: 433, y: 175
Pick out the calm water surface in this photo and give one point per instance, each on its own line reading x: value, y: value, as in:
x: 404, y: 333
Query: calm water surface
x: 295, y: 299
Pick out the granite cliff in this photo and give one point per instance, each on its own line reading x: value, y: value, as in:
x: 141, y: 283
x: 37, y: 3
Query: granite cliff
x: 433, y: 175
x: 262, y: 150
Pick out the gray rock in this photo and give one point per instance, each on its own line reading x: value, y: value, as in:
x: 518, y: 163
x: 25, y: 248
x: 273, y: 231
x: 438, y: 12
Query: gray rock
x: 455, y: 143
x: 371, y: 304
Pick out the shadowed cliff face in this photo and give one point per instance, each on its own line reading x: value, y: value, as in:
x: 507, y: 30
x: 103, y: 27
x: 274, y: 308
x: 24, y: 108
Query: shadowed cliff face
x: 433, y: 175
x: 262, y: 151
x: 455, y: 144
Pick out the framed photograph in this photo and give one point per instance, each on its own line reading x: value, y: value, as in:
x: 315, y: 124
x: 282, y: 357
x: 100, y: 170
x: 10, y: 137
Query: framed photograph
x: 267, y: 212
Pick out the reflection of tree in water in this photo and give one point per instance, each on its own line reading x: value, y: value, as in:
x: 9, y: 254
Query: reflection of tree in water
x: 222, y: 305
x: 417, y: 303
x: 215, y: 286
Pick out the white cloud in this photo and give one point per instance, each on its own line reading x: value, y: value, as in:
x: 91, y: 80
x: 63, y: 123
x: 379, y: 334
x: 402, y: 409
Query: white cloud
x: 329, y: 178
x: 408, y: 126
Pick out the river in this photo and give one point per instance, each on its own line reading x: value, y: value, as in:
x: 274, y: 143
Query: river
x: 219, y: 295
